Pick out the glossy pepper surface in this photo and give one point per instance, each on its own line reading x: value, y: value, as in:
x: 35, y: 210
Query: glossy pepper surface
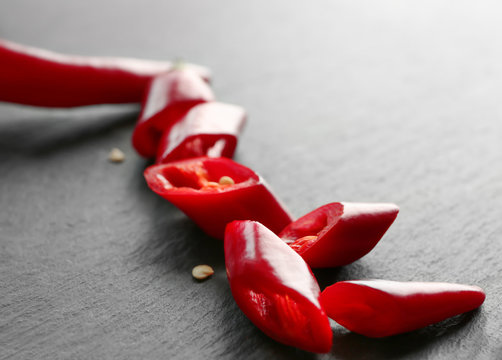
x: 168, y: 98
x: 275, y: 288
x: 337, y: 234
x: 378, y: 308
x: 208, y: 129
x: 37, y: 77
x: 216, y: 191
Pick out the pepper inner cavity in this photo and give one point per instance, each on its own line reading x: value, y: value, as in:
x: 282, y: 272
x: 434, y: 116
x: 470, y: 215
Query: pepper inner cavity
x: 303, y: 243
x: 196, y: 177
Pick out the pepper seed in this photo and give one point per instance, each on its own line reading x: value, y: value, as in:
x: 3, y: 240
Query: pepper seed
x: 116, y: 155
x: 226, y: 180
x: 201, y: 272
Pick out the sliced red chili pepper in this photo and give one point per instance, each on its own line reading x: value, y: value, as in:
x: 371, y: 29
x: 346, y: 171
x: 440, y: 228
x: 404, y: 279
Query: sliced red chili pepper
x: 378, y: 308
x: 337, y: 234
x: 167, y: 99
x: 39, y: 77
x: 209, y: 129
x: 216, y: 191
x: 275, y: 288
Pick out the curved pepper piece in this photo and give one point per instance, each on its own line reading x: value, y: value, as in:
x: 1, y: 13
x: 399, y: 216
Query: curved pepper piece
x: 209, y: 129
x: 195, y: 186
x: 168, y: 97
x: 378, y: 308
x: 337, y: 234
x: 37, y: 77
x: 275, y: 288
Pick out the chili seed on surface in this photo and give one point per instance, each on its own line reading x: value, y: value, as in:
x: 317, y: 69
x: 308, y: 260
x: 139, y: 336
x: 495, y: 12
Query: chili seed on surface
x: 201, y: 272
x: 226, y: 180
x: 116, y: 155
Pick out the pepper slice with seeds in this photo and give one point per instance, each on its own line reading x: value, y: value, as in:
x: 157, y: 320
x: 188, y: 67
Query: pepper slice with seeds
x: 337, y: 234
x: 216, y: 191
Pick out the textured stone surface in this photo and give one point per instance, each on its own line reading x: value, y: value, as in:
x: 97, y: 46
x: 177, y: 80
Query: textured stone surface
x: 348, y: 101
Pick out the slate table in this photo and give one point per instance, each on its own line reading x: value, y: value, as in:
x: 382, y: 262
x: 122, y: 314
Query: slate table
x: 348, y: 101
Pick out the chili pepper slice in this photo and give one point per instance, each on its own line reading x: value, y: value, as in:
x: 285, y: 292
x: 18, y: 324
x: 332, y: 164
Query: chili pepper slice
x: 167, y: 99
x: 378, y: 308
x: 209, y: 129
x: 275, y: 288
x: 37, y: 77
x: 337, y: 234
x: 216, y: 191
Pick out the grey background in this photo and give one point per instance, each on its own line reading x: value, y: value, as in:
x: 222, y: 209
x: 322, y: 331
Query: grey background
x: 391, y: 101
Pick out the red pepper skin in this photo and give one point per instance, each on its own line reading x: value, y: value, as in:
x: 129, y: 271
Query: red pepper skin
x: 275, y: 288
x: 378, y: 308
x: 337, y: 234
x: 192, y: 185
x: 208, y: 129
x: 37, y: 77
x: 167, y: 99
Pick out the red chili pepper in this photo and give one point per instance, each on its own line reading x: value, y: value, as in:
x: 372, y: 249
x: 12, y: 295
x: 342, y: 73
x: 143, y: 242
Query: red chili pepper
x: 167, y: 99
x: 378, y: 308
x: 275, y: 288
x: 337, y: 234
x: 216, y: 191
x: 209, y: 129
x: 39, y: 77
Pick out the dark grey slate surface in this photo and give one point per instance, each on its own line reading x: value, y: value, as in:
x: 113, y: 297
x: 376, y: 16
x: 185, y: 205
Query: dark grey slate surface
x: 348, y: 101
